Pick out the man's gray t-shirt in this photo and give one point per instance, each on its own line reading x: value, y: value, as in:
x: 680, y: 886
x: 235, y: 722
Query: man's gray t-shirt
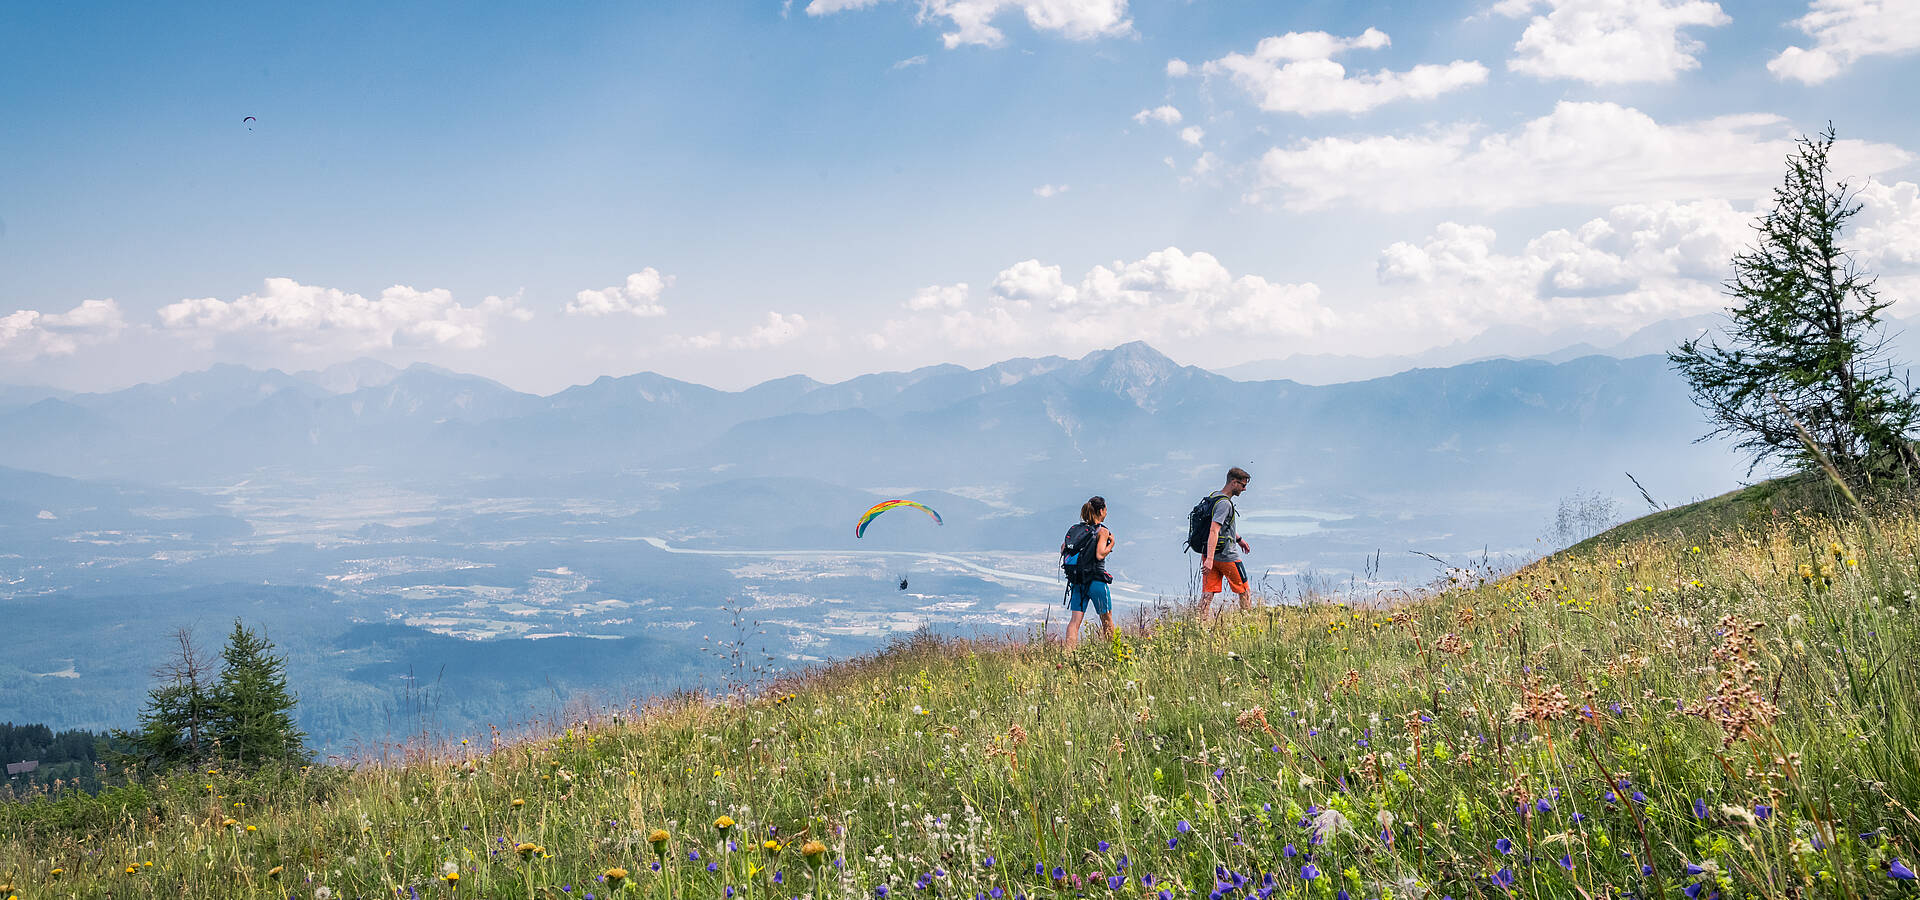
x: 1228, y: 550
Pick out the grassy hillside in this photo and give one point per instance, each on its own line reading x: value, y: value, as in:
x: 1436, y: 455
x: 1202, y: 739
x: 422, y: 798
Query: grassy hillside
x: 1647, y: 718
x: 1753, y: 506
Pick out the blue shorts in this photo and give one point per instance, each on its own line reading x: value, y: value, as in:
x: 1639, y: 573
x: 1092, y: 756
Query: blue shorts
x: 1102, y: 599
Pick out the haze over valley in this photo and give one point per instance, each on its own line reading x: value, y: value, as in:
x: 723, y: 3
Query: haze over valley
x: 434, y: 550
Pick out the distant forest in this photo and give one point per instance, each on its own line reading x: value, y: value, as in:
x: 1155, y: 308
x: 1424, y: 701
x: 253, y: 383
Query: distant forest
x: 67, y: 756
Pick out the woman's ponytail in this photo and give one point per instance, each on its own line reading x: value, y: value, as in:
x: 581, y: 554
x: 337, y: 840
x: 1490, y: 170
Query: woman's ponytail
x: 1092, y: 509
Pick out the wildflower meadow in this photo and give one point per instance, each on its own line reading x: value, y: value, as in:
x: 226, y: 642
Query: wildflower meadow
x: 1708, y: 717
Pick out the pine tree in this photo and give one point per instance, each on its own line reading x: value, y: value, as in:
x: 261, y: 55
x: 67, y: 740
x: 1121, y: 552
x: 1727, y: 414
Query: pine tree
x: 253, y: 708
x: 1806, y: 345
x: 176, y: 724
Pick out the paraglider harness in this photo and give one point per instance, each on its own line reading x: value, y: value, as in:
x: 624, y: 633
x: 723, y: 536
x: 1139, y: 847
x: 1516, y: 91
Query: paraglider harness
x: 1079, y: 559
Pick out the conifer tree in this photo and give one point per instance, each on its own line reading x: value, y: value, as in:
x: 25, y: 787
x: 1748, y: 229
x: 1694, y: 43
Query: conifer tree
x: 176, y: 724
x: 1806, y: 344
x: 253, y: 708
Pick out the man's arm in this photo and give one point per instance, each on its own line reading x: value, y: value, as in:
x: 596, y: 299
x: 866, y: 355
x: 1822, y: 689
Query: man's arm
x: 1213, y: 540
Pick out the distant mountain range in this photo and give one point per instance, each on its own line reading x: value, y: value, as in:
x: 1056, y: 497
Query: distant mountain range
x: 1499, y: 342
x: 1116, y: 410
x: 1022, y: 435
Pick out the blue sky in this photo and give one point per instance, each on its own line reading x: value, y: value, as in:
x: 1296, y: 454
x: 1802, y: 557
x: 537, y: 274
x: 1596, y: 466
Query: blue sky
x: 727, y: 192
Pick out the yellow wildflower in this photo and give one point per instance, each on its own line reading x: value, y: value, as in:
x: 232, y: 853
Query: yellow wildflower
x: 723, y: 823
x: 517, y: 803
x: 813, y: 851
x: 275, y: 871
x: 770, y: 846
x: 616, y: 875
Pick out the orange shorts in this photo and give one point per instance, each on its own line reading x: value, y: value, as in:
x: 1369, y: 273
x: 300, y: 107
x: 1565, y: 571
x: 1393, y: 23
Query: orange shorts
x: 1233, y: 573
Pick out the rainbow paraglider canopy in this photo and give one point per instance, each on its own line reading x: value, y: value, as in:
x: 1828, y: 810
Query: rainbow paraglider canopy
x: 878, y: 508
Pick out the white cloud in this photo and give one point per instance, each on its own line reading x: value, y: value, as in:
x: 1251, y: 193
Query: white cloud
x: 1167, y: 294
x: 828, y: 7
x: 920, y: 60
x: 27, y: 334
x: 972, y: 20
x: 1610, y: 41
x: 640, y: 296
x: 1050, y: 190
x: 774, y: 330
x: 1296, y: 73
x: 1165, y: 115
x: 1193, y: 134
x: 1033, y: 282
x: 1636, y: 264
x: 1844, y: 31
x: 1886, y: 234
x: 1178, y: 68
x: 939, y: 296
x: 311, y: 317
x: 1580, y: 153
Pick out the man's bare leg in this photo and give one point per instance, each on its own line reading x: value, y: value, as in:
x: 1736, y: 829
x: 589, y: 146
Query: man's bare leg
x: 1073, y: 629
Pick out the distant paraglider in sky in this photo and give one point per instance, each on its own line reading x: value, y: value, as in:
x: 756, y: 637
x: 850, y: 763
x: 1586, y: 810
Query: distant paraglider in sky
x: 248, y: 121
x: 867, y: 517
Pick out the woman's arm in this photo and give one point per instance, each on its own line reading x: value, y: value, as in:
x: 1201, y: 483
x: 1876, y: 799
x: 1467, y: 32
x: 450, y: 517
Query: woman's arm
x: 1105, y: 546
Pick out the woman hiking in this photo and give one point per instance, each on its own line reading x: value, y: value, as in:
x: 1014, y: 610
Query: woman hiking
x: 1084, y: 556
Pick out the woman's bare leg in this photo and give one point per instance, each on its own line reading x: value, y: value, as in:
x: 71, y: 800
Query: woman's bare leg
x: 1073, y: 628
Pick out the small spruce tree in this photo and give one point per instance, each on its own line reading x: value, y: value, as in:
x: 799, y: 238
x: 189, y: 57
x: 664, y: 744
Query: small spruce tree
x: 1806, y: 343
x: 253, y: 708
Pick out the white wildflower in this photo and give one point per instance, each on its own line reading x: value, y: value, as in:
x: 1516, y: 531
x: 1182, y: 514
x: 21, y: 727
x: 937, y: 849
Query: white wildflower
x: 1329, y: 824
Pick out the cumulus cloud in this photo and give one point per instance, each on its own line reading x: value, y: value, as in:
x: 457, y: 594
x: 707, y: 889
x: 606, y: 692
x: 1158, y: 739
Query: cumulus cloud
x: 828, y: 7
x: 1178, y: 68
x: 774, y: 330
x: 639, y: 296
x: 1580, y: 153
x: 1609, y: 41
x: 1050, y: 190
x: 939, y: 296
x: 312, y: 317
x: 1166, y: 294
x: 1165, y: 115
x: 1886, y: 234
x: 1844, y: 31
x: 1193, y: 134
x: 27, y: 334
x: 1296, y: 73
x: 1031, y: 281
x: 972, y: 20
x: 1636, y: 264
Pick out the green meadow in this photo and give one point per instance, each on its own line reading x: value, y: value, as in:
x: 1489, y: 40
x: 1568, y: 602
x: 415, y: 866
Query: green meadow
x: 1726, y: 715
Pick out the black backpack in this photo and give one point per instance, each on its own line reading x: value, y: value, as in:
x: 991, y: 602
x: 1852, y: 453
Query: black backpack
x: 1200, y: 523
x: 1077, y: 557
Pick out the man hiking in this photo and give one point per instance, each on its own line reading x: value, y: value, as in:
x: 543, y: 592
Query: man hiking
x: 1224, y: 545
